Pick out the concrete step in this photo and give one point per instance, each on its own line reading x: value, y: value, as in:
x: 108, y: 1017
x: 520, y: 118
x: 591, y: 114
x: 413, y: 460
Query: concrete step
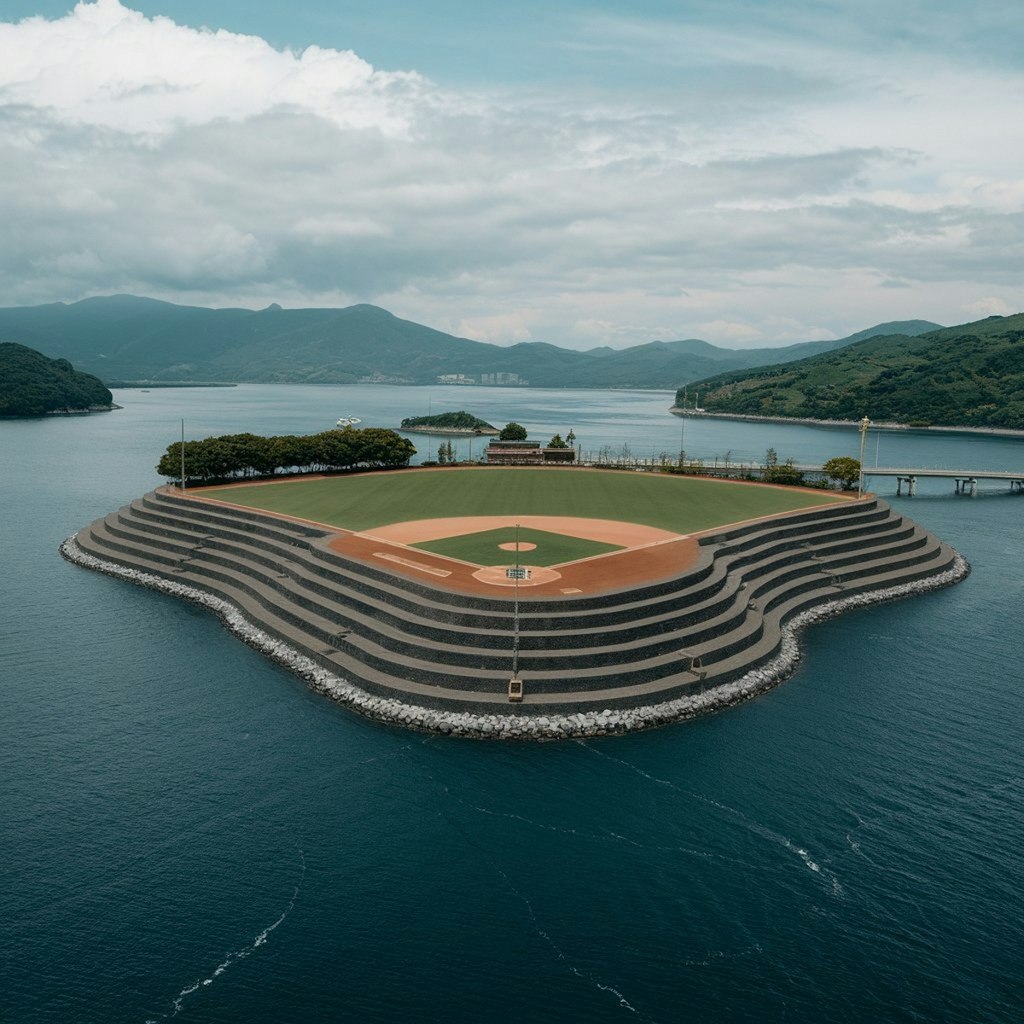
x: 399, y: 637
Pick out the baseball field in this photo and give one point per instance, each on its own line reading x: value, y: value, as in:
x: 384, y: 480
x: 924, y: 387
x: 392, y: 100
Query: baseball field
x: 579, y: 531
x: 682, y: 505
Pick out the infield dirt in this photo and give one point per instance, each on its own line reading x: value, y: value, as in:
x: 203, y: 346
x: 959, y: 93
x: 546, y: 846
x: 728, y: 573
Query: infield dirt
x: 654, y: 519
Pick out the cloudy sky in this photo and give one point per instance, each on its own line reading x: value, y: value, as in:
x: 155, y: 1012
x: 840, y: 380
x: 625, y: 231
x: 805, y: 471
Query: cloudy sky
x: 585, y: 173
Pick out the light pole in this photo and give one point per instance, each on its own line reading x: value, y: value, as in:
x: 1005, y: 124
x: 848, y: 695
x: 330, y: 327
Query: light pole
x: 864, y: 424
x: 515, y: 615
x: 183, y: 456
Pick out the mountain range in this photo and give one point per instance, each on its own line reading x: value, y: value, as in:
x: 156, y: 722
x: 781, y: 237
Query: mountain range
x: 128, y: 338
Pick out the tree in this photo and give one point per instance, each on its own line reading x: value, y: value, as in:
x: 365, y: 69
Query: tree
x: 512, y: 432
x: 776, y: 472
x: 442, y: 454
x: 570, y: 438
x: 844, y: 470
x: 557, y: 442
x: 784, y: 473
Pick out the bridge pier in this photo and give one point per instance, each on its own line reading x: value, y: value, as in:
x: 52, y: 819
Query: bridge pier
x: 965, y: 481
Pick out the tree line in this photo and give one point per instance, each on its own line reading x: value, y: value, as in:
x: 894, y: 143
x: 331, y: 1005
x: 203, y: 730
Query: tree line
x: 230, y: 456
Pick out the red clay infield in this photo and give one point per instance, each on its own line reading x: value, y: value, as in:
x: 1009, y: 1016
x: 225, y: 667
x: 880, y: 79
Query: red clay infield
x: 647, y: 560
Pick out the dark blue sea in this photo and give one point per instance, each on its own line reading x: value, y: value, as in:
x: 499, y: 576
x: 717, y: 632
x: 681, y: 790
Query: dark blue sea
x: 187, y: 833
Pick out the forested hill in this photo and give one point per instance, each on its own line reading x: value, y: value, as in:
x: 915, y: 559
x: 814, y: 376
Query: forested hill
x: 972, y: 375
x: 31, y: 384
x: 123, y: 337
x: 461, y: 421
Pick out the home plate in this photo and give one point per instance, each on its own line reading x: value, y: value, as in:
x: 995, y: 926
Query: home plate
x: 496, y: 576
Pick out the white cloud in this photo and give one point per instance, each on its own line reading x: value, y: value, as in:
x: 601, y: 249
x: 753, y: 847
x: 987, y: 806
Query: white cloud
x: 594, y: 333
x: 794, y: 190
x: 107, y: 65
x: 727, y: 330
x: 504, y: 327
x: 990, y: 306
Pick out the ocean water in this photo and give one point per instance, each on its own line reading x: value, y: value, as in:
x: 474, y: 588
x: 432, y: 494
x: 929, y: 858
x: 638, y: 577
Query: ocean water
x: 187, y: 833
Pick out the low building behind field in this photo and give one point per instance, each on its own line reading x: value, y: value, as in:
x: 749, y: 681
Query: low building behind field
x: 526, y: 453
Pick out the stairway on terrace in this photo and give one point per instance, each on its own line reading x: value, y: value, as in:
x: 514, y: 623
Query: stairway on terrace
x: 399, y: 637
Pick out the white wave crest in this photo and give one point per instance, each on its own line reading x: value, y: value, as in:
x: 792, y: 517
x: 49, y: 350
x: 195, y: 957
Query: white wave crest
x: 232, y: 958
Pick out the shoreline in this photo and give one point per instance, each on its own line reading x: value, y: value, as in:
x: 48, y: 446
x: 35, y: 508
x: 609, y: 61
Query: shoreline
x: 144, y: 385
x: 448, y: 431
x: 808, y: 421
x: 552, y: 726
x: 76, y: 412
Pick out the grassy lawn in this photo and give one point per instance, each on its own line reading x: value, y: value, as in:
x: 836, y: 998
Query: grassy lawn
x: 680, y: 504
x: 482, y: 548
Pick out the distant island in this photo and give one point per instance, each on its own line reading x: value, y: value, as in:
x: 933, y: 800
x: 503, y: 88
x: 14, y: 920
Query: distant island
x: 460, y: 422
x: 33, y: 385
x: 967, y: 376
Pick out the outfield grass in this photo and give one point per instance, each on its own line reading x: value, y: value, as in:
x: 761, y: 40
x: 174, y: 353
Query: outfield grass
x: 680, y: 504
x: 482, y: 548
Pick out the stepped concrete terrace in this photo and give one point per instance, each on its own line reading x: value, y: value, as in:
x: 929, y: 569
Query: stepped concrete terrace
x: 419, y: 653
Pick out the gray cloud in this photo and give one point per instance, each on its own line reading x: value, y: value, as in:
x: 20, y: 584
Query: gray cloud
x: 580, y: 220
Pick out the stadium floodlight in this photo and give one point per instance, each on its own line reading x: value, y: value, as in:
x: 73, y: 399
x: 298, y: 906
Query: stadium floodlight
x: 515, y: 684
x: 864, y: 424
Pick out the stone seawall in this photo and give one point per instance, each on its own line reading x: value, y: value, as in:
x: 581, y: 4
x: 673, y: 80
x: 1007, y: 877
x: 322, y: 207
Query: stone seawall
x: 413, y: 654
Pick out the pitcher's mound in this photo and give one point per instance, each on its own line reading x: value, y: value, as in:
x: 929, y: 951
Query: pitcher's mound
x: 495, y: 575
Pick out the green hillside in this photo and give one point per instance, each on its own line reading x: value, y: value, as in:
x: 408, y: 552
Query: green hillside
x: 972, y: 375
x: 32, y: 385
x: 123, y: 337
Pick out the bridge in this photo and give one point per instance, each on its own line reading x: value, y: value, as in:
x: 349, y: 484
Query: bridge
x: 965, y: 481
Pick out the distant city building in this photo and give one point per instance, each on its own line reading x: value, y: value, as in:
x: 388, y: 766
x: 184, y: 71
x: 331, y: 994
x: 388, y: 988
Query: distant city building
x: 384, y: 378
x: 526, y: 453
x: 490, y: 379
